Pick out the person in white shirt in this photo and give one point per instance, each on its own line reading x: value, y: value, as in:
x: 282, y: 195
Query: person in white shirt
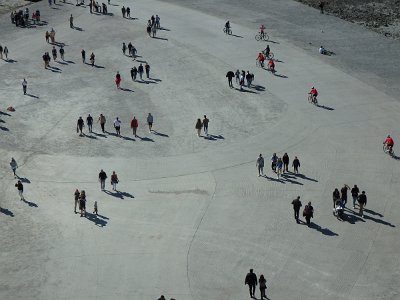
x: 117, y: 126
x: 322, y: 50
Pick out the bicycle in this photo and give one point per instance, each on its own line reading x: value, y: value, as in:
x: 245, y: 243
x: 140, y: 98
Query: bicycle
x: 312, y: 99
x: 227, y: 30
x: 262, y: 36
x: 270, y: 56
x: 388, y: 150
x: 259, y: 63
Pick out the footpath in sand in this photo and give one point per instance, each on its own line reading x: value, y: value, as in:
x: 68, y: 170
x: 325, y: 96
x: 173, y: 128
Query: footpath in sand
x: 190, y: 216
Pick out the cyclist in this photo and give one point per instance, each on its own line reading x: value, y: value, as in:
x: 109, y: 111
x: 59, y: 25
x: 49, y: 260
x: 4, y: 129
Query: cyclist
x: 271, y: 65
x: 389, y: 143
x: 262, y: 27
x: 260, y: 59
x: 227, y: 27
x: 314, y: 93
x: 267, y: 51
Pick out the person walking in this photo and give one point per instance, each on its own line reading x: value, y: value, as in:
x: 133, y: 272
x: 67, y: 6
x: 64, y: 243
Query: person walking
x: 335, y: 197
x: 308, y: 213
x: 198, y: 127
x: 140, y: 70
x: 14, y: 166
x: 130, y: 48
x: 321, y: 6
x: 128, y: 12
x: 296, y: 165
x: 230, y: 76
x: 241, y: 80
x: 79, y: 126
x: 154, y: 30
x: 134, y: 125
x: 95, y: 208
x: 274, y: 160
x: 83, y: 53
x: 133, y: 51
x: 251, y: 281
x: 150, y: 120
x: 20, y: 188
x: 285, y: 160
x: 263, y: 286
x: 123, y: 10
x: 343, y: 192
x: 260, y: 165
x: 124, y: 48
x: 71, y: 21
x: 248, y: 79
x: 1, y: 52
x: 24, y: 86
x: 279, y: 165
x: 102, y: 179
x: 102, y: 120
x: 147, y: 69
x: 62, y: 52
x: 47, y: 36
x: 362, y: 202
x: 5, y: 52
x: 118, y: 80
x: 76, y: 196
x: 54, y: 52
x: 92, y: 58
x: 82, y: 203
x: 205, y: 124
x: 296, y: 208
x: 158, y: 22
x: 237, y: 76
x: 114, y: 181
x: 117, y: 126
x: 134, y: 73
x: 354, y: 194
x: 89, y: 122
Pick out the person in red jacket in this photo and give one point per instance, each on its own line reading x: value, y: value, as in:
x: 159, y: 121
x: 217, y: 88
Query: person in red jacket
x: 118, y: 80
x: 261, y: 59
x: 134, y: 125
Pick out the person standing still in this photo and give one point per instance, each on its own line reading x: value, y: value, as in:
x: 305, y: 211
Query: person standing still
x: 117, y: 126
x: 198, y: 127
x: 83, y: 53
x: 14, y: 166
x: 205, y: 124
x: 89, y: 122
x: 102, y: 179
x: 102, y: 120
x: 251, y: 281
x: 150, y: 120
x: 296, y: 165
x: 123, y: 10
x: 362, y: 202
x: 285, y: 160
x: 5, y: 51
x: 147, y: 69
x: 134, y: 125
x: 296, y: 207
x: 114, y: 181
x: 71, y: 21
x: 24, y: 85
x: 92, y: 59
x: 76, y: 196
x: 354, y: 194
x: 230, y: 76
x: 260, y: 165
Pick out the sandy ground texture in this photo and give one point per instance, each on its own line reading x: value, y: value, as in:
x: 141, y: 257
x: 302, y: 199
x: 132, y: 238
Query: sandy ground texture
x: 381, y: 16
x: 190, y: 215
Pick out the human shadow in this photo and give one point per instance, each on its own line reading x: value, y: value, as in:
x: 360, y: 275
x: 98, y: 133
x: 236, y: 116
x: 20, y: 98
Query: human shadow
x: 54, y: 69
x: 165, y: 29
x: 305, y: 177
x: 11, y: 61
x: 273, y: 42
x: 78, y: 28
x: 371, y: 212
x: 132, y: 18
x: 383, y: 222
x: 127, y: 90
x: 140, y: 61
x: 54, y: 7
x: 324, y: 231
x: 287, y: 178
x: 32, y: 96
x: 115, y: 194
x: 98, y: 67
x: 3, y: 113
x: 2, y: 121
x: 62, y: 62
x: 280, y: 75
x: 325, y: 107
x: 31, y: 204
x: 352, y: 218
x: 59, y: 44
x: 277, y: 60
x: 219, y: 137
x: 259, y: 88
x: 145, y: 139
x: 4, y: 128
x: 160, y: 134
x: 24, y: 179
x: 127, y: 138
x: 6, y: 212
x: 160, y: 38
x: 149, y: 81
x: 246, y: 91
x: 274, y: 179
x: 70, y: 62
x: 90, y: 136
x: 112, y: 4
x: 99, y: 134
x: 235, y: 35
x: 98, y: 220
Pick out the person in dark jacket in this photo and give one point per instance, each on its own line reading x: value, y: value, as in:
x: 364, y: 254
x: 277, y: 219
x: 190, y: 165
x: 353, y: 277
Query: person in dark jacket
x: 79, y: 126
x: 230, y: 75
x: 102, y: 179
x: 362, y: 202
x: 89, y: 122
x: 20, y: 188
x: 296, y: 207
x: 285, y: 160
x: 76, y: 195
x: 335, y: 197
x: 296, y: 165
x: 308, y: 213
x: 263, y: 286
x: 354, y: 194
x: 251, y: 281
x: 343, y: 192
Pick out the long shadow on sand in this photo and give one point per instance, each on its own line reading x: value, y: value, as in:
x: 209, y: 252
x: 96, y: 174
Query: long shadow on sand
x: 6, y: 212
x: 324, y: 231
x: 98, y: 220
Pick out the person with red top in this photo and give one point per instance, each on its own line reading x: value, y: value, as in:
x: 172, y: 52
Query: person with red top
x: 389, y: 143
x: 314, y: 93
x: 260, y: 59
x: 271, y: 65
x: 262, y: 28
x: 134, y: 125
x: 118, y: 80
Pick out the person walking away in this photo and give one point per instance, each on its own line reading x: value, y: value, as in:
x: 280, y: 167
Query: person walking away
x: 251, y: 281
x: 123, y: 11
x: 14, y: 166
x: 263, y: 286
x: 102, y: 179
x: 335, y: 197
x: 130, y: 48
x: 158, y: 22
x: 79, y: 126
x: 71, y: 21
x: 274, y: 160
x: 154, y: 30
x: 102, y: 120
x: 296, y: 165
x: 198, y: 127
x: 117, y: 126
x: 237, y: 76
x: 134, y: 72
x: 362, y: 202
x: 114, y: 181
x: 118, y: 80
x: 308, y: 213
x: 95, y: 209
x: 92, y: 57
x: 128, y: 12
x: 354, y: 194
x: 47, y: 35
x: 343, y: 192
x: 62, y: 52
x: 147, y: 69
x: 230, y: 75
x: 140, y: 70
x: 248, y: 79
x: 150, y: 120
x: 133, y: 51
x: 148, y: 28
x: 279, y: 165
x: 296, y: 208
x: 76, y: 196
x: 205, y: 124
x: 54, y: 52
x: 260, y: 165
x: 82, y: 203
x: 134, y: 125
x: 285, y: 160
x: 124, y: 48
x: 89, y: 122
x: 20, y: 188
x: 241, y: 80
x: 5, y: 51
x: 83, y: 56
x: 24, y: 85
